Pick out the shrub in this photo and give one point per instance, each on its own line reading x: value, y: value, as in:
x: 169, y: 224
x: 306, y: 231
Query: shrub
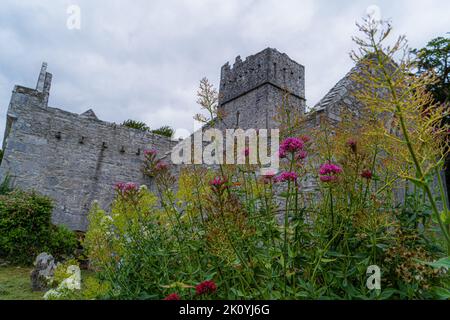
x: 164, y: 131
x: 26, y: 229
x: 134, y: 124
x: 5, y: 185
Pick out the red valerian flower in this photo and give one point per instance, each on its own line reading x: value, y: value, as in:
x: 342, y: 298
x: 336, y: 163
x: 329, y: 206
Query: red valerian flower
x: 126, y: 187
x: 246, y: 152
x: 286, y: 176
x: 328, y: 172
x: 150, y: 152
x: 172, y: 296
x: 328, y: 178
x: 206, y: 286
x: 217, y: 182
x: 161, y: 165
x: 291, y: 145
x: 305, y: 138
x: 301, y: 155
x: 366, y: 174
x: 352, y: 143
x: 268, y: 176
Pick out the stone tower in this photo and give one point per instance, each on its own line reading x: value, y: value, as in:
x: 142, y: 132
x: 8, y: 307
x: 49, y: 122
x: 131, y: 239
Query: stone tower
x: 252, y: 89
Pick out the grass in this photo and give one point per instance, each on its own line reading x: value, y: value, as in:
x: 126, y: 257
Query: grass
x: 15, y: 284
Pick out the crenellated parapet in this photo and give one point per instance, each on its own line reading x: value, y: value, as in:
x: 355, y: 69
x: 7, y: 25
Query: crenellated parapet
x: 266, y: 67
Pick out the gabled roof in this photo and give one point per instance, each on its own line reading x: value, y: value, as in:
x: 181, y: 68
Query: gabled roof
x: 338, y: 92
x: 89, y: 114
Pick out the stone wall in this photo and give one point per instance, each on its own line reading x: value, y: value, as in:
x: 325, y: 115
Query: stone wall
x: 74, y: 159
x: 252, y: 89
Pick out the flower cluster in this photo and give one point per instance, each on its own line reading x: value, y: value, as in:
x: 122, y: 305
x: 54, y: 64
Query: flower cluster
x: 305, y: 139
x: 218, y: 184
x: 268, y: 176
x: 151, y: 152
x: 152, y: 165
x: 301, y: 155
x: 329, y: 172
x: 125, y: 188
x: 290, y: 145
x: 161, y: 166
x: 172, y: 296
x: 207, y: 286
x: 366, y: 174
x: 352, y: 144
x: 287, y: 176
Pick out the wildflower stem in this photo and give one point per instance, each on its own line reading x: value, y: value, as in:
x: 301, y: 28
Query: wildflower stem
x: 399, y: 113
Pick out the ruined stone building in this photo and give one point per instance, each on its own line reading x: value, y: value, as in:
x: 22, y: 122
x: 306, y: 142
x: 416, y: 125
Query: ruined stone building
x: 77, y: 158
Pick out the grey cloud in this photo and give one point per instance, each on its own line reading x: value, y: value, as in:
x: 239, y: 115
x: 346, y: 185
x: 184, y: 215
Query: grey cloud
x: 143, y: 59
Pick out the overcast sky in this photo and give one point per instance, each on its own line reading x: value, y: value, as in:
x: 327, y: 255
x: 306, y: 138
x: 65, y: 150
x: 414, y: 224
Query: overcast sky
x: 144, y: 59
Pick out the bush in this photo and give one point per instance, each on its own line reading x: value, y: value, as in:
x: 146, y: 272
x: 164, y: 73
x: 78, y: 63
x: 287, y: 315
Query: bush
x: 26, y: 229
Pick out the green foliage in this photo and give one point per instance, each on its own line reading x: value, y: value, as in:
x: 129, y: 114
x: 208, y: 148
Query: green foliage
x: 1, y: 155
x: 139, y: 125
x: 263, y: 238
x: 5, y: 185
x: 61, y: 272
x: 26, y: 229
x: 435, y: 56
x: 164, y: 131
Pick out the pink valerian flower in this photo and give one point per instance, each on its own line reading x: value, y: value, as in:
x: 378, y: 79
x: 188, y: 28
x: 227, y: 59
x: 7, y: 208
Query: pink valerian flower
x: 151, y: 152
x: 291, y: 145
x: 352, y: 143
x: 172, y: 296
x: 366, y: 174
x: 205, y: 287
x: 328, y: 172
x: 268, y: 176
x: 246, y: 152
x: 329, y: 168
x: 287, y: 176
x: 301, y: 155
x: 161, y: 166
x: 305, y: 138
x: 218, y: 182
x: 328, y: 178
x: 125, y: 188
x: 119, y: 185
x: 218, y: 185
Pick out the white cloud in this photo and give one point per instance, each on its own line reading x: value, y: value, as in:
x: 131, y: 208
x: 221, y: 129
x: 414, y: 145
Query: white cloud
x: 143, y: 59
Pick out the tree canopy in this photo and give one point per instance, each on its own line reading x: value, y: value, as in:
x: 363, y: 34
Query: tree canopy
x: 435, y: 56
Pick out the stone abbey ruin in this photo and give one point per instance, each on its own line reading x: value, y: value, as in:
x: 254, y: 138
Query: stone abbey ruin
x: 77, y: 158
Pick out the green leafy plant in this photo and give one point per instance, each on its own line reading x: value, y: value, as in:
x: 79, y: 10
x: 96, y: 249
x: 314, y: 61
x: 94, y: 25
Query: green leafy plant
x: 26, y: 229
x: 164, y: 131
x: 139, y: 125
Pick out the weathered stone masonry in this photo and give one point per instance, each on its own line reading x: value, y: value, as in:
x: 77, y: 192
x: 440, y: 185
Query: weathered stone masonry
x: 251, y: 90
x: 76, y: 159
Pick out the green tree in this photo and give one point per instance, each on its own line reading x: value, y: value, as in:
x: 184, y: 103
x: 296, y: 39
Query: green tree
x: 136, y: 125
x: 164, y: 131
x: 1, y: 155
x: 436, y: 57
